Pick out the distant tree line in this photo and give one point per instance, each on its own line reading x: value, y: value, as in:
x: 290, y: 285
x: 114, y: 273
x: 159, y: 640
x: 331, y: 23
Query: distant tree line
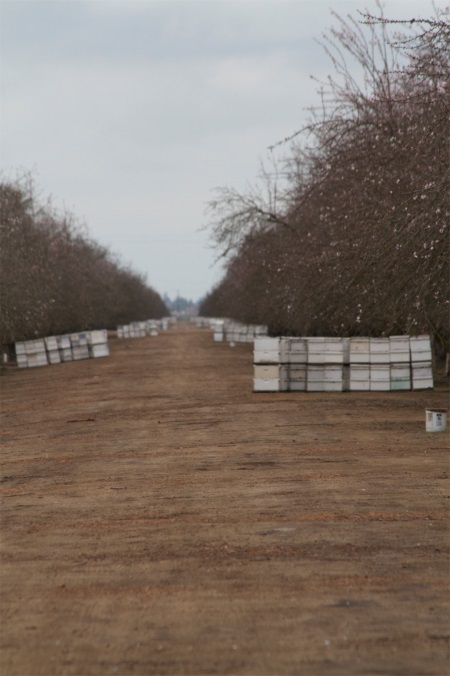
x: 178, y: 304
x: 351, y: 237
x: 55, y: 279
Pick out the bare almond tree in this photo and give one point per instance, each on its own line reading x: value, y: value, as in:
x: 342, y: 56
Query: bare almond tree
x: 360, y: 241
x: 56, y: 279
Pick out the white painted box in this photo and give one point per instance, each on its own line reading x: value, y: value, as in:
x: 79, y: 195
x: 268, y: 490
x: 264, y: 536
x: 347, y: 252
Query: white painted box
x: 379, y: 351
x: 360, y: 372
x: 359, y: 351
x: 22, y: 361
x: 78, y: 340
x: 333, y: 386
x: 264, y: 371
x: 63, y: 342
x: 334, y: 351
x: 297, y: 375
x: 316, y: 350
x: 380, y: 378
x: 315, y: 378
x: 66, y: 354
x: 53, y: 357
x: 37, y: 359
x: 262, y: 343
x: 293, y: 351
x: 297, y: 385
x: 359, y: 385
x: 400, y: 376
x: 333, y: 374
x: 315, y: 386
x: 315, y: 373
x: 261, y: 330
x: 35, y: 346
x: 380, y: 372
x: 380, y: 386
x: 20, y: 348
x: 266, y: 357
x: 399, y: 348
x: 346, y: 378
x: 346, y: 350
x: 297, y: 371
x: 99, y: 350
x: 97, y: 337
x: 80, y: 352
x: 266, y: 385
x: 359, y: 377
x: 51, y: 343
x: 266, y: 350
x: 422, y: 375
x: 420, y: 347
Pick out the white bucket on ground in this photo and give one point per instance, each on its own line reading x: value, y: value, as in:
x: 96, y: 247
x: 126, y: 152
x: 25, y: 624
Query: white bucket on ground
x: 436, y: 420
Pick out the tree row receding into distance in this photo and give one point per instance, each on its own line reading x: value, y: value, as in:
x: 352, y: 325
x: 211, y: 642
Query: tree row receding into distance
x: 55, y: 279
x: 350, y: 234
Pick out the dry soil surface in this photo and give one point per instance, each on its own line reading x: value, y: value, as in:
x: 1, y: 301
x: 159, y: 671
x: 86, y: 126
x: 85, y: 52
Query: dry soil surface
x: 161, y: 518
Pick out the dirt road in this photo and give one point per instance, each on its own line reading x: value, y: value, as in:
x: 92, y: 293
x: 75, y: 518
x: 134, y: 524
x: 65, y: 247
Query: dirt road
x: 160, y: 518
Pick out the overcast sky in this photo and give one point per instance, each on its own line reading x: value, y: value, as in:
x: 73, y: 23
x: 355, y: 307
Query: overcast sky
x: 129, y: 113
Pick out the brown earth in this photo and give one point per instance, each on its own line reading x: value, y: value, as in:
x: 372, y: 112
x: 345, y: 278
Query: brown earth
x: 160, y: 518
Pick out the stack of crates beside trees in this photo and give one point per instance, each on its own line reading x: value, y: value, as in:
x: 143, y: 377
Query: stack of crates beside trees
x: 270, y: 373
x: 219, y: 329
x: 133, y: 330
x: 359, y: 358
x: 65, y: 348
x: 31, y: 353
x: 399, y: 350
x: 203, y: 322
x: 57, y: 349
x: 380, y: 364
x: 79, y: 345
x: 231, y: 331
x: 342, y: 364
x: 327, y: 359
x: 149, y: 327
x: 421, y: 362
x: 235, y: 332
x: 52, y: 347
x: 98, y: 343
x: 294, y: 356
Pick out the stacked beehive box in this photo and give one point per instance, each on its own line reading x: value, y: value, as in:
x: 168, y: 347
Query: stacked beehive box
x: 133, y: 330
x: 30, y: 353
x: 141, y: 329
x: 203, y: 322
x: 400, y: 362
x: 294, y: 355
x: 359, y: 358
x: 421, y: 363
x: 51, y: 345
x: 235, y: 332
x: 326, y: 359
x: 380, y: 368
x: 65, y: 348
x: 218, y: 328
x: 79, y: 345
x: 270, y: 374
x: 98, y: 343
x: 342, y: 364
x: 57, y: 349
